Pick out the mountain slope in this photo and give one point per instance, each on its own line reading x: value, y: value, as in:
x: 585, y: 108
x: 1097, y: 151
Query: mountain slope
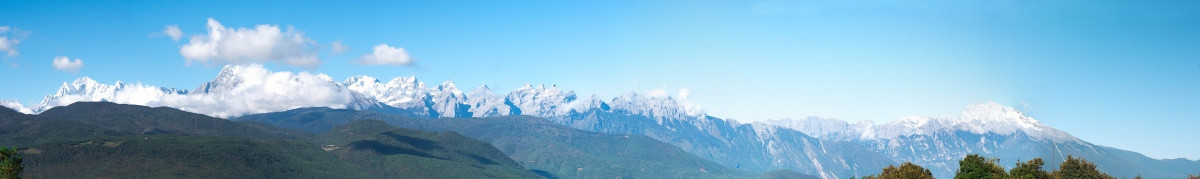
x: 826, y: 147
x: 992, y: 130
x: 548, y: 148
x: 163, y: 120
x: 67, y: 147
x: 384, y: 150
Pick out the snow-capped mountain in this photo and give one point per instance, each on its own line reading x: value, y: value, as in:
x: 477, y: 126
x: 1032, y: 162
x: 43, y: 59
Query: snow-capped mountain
x: 237, y: 90
x: 657, y: 107
x: 981, y: 118
x: 824, y: 147
x: 989, y: 129
x: 825, y: 128
x: 400, y: 92
x: 485, y: 103
x: 86, y: 89
x: 248, y: 89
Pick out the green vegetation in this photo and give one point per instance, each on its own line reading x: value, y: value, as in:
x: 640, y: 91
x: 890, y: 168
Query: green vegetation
x: 383, y: 150
x: 10, y: 163
x: 105, y: 140
x: 905, y: 171
x: 178, y: 156
x: 975, y: 166
x: 1031, y: 169
x: 1078, y: 168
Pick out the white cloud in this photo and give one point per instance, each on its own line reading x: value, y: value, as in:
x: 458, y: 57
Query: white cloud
x: 386, y: 55
x: 252, y: 89
x: 683, y: 93
x: 66, y: 64
x: 261, y: 91
x: 8, y: 43
x: 339, y: 48
x: 14, y: 105
x: 264, y: 43
x: 173, y: 32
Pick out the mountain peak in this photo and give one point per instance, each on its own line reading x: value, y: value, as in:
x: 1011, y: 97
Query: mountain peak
x: 409, y: 82
x: 361, y: 79
x: 447, y: 85
x: 655, y: 107
x: 992, y: 112
x: 83, y: 81
x: 232, y: 76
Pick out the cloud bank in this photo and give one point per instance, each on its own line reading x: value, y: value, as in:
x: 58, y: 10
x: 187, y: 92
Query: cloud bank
x: 247, y: 89
x: 261, y: 44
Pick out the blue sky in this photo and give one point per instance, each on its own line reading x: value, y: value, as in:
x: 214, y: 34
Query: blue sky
x: 1113, y: 73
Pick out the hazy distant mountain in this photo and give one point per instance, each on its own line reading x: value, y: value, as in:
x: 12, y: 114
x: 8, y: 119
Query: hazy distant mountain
x: 548, y: 148
x: 991, y: 130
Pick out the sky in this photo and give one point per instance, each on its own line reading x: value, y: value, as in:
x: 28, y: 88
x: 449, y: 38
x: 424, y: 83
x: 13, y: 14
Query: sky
x: 1114, y: 73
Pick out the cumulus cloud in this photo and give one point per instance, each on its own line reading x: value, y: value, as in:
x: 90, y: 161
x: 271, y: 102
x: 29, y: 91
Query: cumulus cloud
x: 251, y: 89
x: 339, y: 48
x: 683, y: 93
x: 261, y: 44
x: 173, y: 32
x: 66, y: 64
x: 386, y: 55
x: 258, y: 90
x: 8, y: 43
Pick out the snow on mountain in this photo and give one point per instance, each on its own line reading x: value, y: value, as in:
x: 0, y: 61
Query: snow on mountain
x: 485, y: 103
x: 448, y: 101
x: 657, y: 107
x: 981, y: 118
x: 824, y: 127
x: 247, y: 89
x: 400, y: 92
x: 540, y: 100
x: 87, y: 89
x: 240, y: 90
x: 237, y: 90
x: 828, y: 147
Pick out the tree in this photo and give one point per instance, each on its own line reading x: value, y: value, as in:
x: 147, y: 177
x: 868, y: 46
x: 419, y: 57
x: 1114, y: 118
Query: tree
x: 1031, y: 169
x: 10, y: 163
x: 907, y: 170
x: 975, y: 166
x: 1078, y: 168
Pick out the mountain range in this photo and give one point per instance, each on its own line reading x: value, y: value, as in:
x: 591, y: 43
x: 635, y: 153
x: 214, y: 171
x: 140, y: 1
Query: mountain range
x: 827, y: 148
